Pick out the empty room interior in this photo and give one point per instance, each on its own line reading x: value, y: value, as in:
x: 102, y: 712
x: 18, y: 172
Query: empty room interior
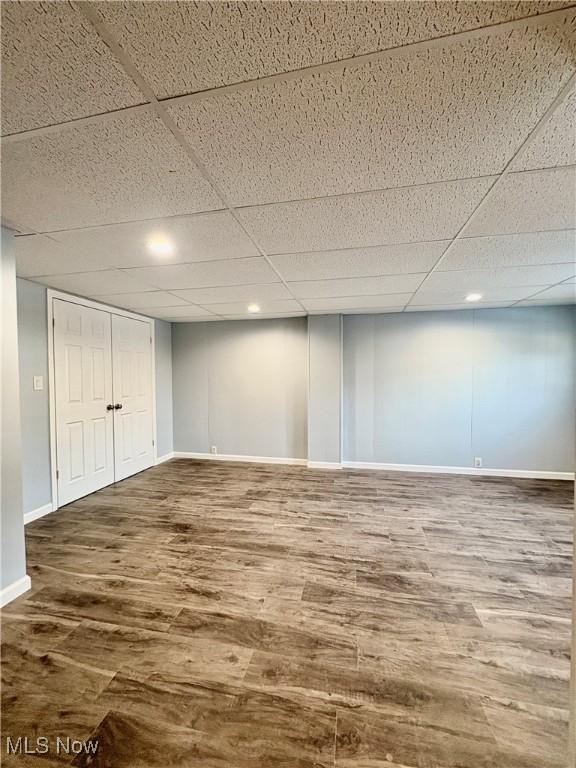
x: 288, y: 322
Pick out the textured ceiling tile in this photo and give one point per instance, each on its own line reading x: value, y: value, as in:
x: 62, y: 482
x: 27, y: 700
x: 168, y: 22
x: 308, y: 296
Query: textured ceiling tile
x: 359, y: 311
x: 283, y: 306
x: 56, y: 68
x: 360, y: 262
x: 111, y: 281
x: 166, y: 311
x: 391, y: 216
x: 193, y: 238
x: 183, y: 47
x: 529, y: 202
x: 356, y: 286
x: 190, y: 318
x: 272, y: 316
x: 475, y: 281
x: 235, y: 293
x: 378, y: 125
x: 41, y: 255
x: 208, y: 274
x: 550, y: 302
x: 556, y: 145
x: 17, y: 229
x: 566, y: 292
x: 450, y: 307
x: 490, y: 295
x: 127, y: 168
x: 146, y: 300
x: 357, y: 302
x: 520, y: 250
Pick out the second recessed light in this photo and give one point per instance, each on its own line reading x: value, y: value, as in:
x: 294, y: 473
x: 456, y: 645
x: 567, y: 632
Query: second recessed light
x: 160, y: 246
x: 253, y: 308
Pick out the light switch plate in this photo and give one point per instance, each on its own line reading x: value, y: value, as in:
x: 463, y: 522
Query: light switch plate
x: 38, y: 382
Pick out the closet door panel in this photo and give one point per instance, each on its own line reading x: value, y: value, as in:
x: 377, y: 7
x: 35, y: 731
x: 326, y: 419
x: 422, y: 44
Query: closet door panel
x: 83, y: 390
x: 132, y: 377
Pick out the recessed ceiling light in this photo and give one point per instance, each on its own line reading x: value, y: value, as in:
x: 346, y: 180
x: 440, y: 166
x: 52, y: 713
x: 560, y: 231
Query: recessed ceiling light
x: 253, y: 308
x: 474, y: 297
x: 159, y: 245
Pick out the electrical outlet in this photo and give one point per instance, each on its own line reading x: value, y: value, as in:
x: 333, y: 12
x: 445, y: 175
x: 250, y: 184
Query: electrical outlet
x: 478, y: 461
x: 213, y: 449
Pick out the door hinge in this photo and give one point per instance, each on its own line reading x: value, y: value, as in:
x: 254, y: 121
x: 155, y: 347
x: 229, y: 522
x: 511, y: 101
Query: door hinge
x: 153, y: 443
x: 150, y: 339
x: 57, y: 474
x: 53, y: 322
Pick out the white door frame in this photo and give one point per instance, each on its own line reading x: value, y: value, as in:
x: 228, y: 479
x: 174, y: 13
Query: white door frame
x: 52, y: 294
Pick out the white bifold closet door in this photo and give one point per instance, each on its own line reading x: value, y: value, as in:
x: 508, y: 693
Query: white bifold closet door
x: 132, y: 377
x: 83, y: 392
x: 103, y: 398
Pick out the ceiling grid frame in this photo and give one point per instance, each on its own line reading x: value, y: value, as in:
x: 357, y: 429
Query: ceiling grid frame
x: 563, y: 94
x: 568, y: 281
x: 400, y: 50
x: 331, y: 66
x: 92, y: 15
x: 158, y: 106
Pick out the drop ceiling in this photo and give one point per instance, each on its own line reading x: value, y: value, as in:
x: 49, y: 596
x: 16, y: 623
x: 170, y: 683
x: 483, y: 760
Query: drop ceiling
x: 310, y: 157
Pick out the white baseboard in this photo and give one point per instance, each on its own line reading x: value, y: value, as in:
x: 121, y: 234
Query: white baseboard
x: 534, y: 474
x: 14, y: 590
x: 162, y: 459
x: 324, y: 465
x: 230, y: 457
x: 423, y: 468
x: 34, y: 514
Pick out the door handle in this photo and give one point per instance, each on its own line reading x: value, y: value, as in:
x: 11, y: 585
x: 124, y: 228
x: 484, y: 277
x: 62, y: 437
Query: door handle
x: 109, y: 407
x: 117, y: 406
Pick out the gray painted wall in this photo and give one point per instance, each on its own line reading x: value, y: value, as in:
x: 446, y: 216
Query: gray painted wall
x: 419, y: 388
x: 13, y: 563
x: 34, y: 404
x: 441, y: 388
x: 163, y: 354
x: 241, y: 386
x: 324, y: 387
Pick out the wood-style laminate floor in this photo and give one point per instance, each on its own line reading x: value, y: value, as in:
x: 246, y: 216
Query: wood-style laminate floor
x: 216, y: 615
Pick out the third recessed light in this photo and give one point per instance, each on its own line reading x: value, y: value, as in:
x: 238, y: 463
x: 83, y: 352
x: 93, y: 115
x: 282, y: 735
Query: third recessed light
x: 160, y: 245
